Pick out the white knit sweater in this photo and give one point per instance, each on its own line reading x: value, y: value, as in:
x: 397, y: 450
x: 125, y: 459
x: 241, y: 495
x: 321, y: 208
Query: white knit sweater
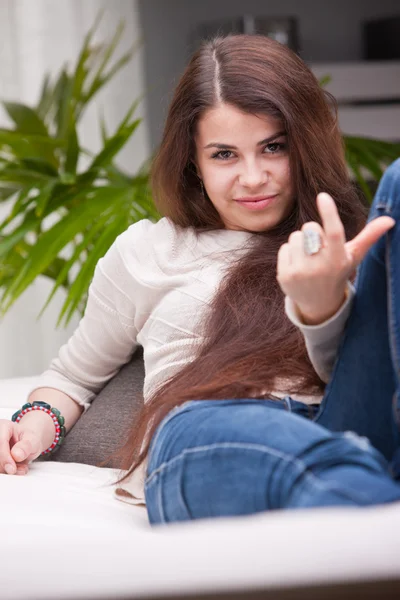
x: 151, y: 289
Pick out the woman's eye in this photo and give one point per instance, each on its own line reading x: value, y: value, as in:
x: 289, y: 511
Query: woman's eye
x: 223, y: 154
x: 274, y: 148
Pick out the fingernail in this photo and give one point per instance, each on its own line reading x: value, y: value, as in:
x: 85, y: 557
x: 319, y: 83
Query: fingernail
x: 10, y: 469
x: 19, y: 454
x: 324, y: 195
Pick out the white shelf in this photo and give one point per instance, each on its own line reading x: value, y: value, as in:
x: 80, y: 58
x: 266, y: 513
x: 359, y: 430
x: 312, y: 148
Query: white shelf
x: 374, y: 82
x: 361, y: 80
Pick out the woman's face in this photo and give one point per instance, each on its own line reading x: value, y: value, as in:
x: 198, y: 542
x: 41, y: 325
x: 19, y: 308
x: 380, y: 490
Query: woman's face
x: 239, y: 157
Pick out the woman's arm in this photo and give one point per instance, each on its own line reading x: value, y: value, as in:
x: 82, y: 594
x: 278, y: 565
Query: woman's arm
x: 322, y: 341
x: 104, y: 340
x: 315, y: 284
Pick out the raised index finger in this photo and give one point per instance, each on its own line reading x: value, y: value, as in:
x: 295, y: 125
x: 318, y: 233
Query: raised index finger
x: 335, y: 237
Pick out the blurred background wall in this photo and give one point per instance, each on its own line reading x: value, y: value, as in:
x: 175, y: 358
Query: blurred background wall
x: 329, y: 31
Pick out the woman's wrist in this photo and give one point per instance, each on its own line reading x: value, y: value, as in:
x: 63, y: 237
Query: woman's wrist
x: 42, y: 424
x: 310, y: 317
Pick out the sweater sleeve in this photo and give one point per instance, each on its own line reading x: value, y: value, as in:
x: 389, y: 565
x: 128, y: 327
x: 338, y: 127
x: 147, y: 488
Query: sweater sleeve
x: 322, y: 341
x: 105, y: 338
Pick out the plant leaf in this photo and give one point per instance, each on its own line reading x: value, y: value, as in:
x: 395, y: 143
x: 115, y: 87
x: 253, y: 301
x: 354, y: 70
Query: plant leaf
x: 38, y: 176
x: 325, y: 80
x: 102, y: 81
x: 73, y: 149
x: 107, y: 55
x: 8, y: 242
x: 44, y: 197
x: 26, y: 146
x: 81, y: 69
x: 46, y: 98
x: 103, y: 129
x: 83, y: 279
x: 26, y: 119
x: 38, y: 165
x: 22, y: 176
x: 20, y: 205
x: 354, y: 166
x: 114, y: 145
x: 366, y: 158
x: 65, y: 107
x: 6, y: 191
x: 52, y: 241
x: 85, y: 243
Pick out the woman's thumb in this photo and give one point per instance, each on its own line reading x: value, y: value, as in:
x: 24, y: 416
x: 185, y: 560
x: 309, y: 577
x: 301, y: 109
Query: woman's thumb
x: 27, y: 445
x: 358, y: 247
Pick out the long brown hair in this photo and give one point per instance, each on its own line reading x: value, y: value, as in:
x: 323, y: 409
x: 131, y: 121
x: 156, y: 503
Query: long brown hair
x: 248, y: 340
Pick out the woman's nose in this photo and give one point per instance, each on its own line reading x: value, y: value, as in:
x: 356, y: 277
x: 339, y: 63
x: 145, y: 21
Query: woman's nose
x: 253, y: 175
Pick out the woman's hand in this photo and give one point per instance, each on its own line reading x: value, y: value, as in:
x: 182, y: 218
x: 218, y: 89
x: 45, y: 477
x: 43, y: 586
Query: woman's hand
x: 14, y: 440
x: 317, y: 283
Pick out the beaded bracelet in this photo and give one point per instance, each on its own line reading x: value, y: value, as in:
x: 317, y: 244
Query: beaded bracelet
x: 54, y: 413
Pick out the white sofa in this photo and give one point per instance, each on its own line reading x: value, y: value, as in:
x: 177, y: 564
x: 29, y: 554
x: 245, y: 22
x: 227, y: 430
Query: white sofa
x: 63, y: 535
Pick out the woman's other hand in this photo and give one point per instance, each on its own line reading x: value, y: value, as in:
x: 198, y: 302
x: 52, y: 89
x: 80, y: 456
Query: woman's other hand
x: 317, y: 283
x: 18, y: 446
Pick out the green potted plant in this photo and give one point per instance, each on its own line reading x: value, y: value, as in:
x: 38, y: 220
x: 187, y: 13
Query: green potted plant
x: 367, y: 158
x: 63, y: 218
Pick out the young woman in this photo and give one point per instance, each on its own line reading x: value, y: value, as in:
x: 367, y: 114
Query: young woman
x: 271, y: 381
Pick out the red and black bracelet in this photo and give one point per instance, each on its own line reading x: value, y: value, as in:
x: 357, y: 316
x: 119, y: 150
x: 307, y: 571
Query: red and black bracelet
x: 58, y: 420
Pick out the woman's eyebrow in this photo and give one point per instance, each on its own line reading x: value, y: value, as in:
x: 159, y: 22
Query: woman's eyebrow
x: 231, y: 147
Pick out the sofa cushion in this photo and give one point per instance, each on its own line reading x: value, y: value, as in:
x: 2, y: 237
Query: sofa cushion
x: 102, y: 429
x: 66, y: 536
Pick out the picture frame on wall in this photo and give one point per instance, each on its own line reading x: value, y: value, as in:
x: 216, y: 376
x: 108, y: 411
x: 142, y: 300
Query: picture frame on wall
x: 282, y: 29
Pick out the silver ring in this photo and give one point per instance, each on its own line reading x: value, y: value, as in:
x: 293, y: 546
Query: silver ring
x: 312, y: 241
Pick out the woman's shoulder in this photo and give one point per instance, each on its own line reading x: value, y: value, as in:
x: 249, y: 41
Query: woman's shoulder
x: 145, y: 231
x: 145, y: 228
x: 166, y: 243
x: 146, y: 240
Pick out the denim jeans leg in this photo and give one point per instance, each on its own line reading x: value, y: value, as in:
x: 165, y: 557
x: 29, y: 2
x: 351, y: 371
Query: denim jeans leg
x: 361, y: 393
x: 219, y: 458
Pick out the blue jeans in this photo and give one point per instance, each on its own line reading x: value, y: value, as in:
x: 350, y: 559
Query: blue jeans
x: 214, y: 458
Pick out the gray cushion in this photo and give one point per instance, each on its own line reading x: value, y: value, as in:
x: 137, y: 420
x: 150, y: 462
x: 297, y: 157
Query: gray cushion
x: 102, y: 429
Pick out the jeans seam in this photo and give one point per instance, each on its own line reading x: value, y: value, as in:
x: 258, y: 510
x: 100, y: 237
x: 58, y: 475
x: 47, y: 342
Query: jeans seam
x: 383, y: 199
x: 160, y: 505
x: 176, y: 410
x: 382, y: 204
x: 288, y: 403
x: 180, y: 408
x: 324, y: 403
x: 393, y: 334
x: 298, y: 464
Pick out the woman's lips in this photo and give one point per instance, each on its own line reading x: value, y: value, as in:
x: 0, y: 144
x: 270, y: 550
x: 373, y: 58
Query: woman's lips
x: 256, y: 203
